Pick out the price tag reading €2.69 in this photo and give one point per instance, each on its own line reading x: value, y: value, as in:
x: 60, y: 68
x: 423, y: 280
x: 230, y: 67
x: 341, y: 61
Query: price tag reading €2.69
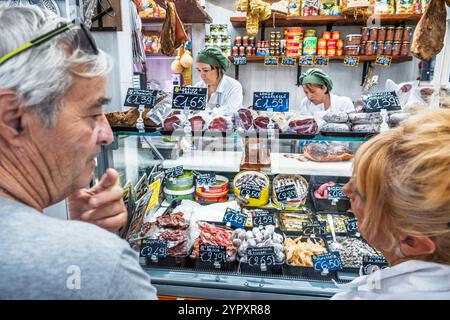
x: 212, y: 254
x: 153, y: 247
x: 327, y: 261
x: 234, y: 218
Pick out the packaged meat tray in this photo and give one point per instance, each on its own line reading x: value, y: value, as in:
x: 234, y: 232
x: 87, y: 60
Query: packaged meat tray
x: 338, y: 221
x: 264, y: 238
x: 291, y: 223
x: 299, y: 252
x: 322, y: 202
x: 209, y: 234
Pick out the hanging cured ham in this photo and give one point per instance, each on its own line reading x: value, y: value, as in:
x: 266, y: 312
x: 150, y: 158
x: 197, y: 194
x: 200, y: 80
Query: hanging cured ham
x: 172, y: 33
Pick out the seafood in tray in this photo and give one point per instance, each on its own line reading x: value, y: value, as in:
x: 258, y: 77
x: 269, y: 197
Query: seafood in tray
x: 299, y: 251
x: 251, y: 188
x: 214, y: 235
x: 293, y: 221
x: 352, y: 251
x: 258, y: 238
x: 289, y: 191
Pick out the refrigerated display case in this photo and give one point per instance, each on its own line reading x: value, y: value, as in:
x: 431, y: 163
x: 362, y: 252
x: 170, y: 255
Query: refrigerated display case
x: 240, y: 243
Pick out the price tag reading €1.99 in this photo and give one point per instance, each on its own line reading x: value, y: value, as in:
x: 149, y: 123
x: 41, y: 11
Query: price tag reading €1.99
x: 260, y: 256
x: 234, y: 218
x: 327, y: 261
x: 153, y: 247
x: 212, y: 254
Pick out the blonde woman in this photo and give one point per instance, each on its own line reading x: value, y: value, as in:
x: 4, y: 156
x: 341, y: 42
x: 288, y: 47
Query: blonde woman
x: 400, y: 193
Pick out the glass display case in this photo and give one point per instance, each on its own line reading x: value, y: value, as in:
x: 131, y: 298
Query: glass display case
x: 241, y: 216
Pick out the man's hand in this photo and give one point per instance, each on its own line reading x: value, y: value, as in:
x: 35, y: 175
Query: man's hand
x: 101, y: 205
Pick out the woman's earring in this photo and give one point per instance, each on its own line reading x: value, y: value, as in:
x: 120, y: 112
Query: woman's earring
x: 398, y: 252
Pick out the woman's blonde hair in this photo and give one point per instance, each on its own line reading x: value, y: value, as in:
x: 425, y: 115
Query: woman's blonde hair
x: 403, y: 176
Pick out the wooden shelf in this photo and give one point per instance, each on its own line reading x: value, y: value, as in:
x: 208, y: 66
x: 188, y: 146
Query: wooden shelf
x: 260, y: 59
x: 285, y: 21
x: 189, y: 11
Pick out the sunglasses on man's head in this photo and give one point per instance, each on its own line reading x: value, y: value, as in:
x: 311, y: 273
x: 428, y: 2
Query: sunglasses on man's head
x: 83, y: 38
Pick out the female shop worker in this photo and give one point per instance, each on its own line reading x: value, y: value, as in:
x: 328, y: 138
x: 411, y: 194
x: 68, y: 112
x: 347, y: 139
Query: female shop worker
x: 319, y: 100
x: 224, y: 93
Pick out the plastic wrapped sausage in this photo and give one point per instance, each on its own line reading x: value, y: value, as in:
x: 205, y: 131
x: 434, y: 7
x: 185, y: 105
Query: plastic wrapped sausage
x: 336, y: 127
x: 336, y: 117
x: 372, y: 128
x: 365, y: 118
x: 396, y: 118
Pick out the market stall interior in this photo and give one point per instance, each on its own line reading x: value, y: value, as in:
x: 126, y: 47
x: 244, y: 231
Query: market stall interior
x: 253, y: 202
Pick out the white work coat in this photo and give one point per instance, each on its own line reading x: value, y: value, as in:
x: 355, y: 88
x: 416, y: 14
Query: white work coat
x: 227, y: 99
x: 337, y: 104
x: 410, y: 280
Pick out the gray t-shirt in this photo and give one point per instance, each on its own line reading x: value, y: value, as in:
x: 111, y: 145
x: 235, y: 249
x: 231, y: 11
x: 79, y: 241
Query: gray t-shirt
x: 47, y: 258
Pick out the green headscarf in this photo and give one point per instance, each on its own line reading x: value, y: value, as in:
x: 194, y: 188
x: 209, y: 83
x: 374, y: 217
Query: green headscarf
x: 214, y: 57
x: 316, y: 76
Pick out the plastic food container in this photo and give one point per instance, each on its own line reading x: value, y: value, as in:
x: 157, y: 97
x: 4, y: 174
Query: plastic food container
x: 249, y: 178
x: 352, y: 50
x: 353, y: 39
x: 172, y: 195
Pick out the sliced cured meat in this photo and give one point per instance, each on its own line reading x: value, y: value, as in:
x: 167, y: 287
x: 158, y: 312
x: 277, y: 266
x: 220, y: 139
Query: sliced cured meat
x: 429, y: 35
x: 218, y: 124
x: 322, y: 191
x: 173, y: 220
x: 243, y: 119
x: 197, y: 123
x: 172, y: 123
x: 336, y: 127
x: 304, y: 126
x: 365, y: 118
x: 323, y: 153
x: 262, y: 122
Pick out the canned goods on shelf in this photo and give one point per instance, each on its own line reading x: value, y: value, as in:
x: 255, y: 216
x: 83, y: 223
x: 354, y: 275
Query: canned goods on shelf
x: 278, y: 35
x: 326, y: 35
x: 399, y: 31
x: 362, y: 50
x: 322, y: 43
x: 332, y: 43
x: 340, y: 44
x: 353, y: 39
x: 352, y: 50
x: 379, y: 48
x: 248, y: 51
x: 365, y: 33
x: 322, y: 51
x: 339, y: 52
x: 235, y: 51
x: 404, y: 51
x: 336, y: 35
x: 310, y: 33
x: 381, y: 34
x: 242, y: 51
x: 396, y: 48
x: 388, y: 48
x: 331, y: 52
x: 370, y: 48
x: 407, y: 34
x: 238, y: 41
x: 373, y: 34
x: 251, y: 41
x: 245, y: 41
x: 390, y: 33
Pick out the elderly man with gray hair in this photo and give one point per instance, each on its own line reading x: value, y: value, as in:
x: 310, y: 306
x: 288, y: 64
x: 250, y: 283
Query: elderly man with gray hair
x: 52, y: 88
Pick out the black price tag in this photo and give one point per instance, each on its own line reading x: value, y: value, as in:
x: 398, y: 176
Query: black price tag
x: 383, y: 61
x: 288, y: 61
x: 235, y: 218
x: 321, y: 61
x: 174, y: 172
x: 286, y: 192
x: 206, y: 179
x: 373, y: 263
x: 250, y: 191
x: 316, y: 228
x: 271, y: 61
x: 239, y: 60
x: 375, y: 102
x: 352, y: 227
x: 278, y: 101
x: 136, y: 98
x: 306, y: 61
x: 153, y: 247
x: 351, y: 61
x: 212, y: 254
x: 260, y: 256
x: 327, y: 261
x: 190, y: 98
x: 263, y: 218
x: 336, y: 192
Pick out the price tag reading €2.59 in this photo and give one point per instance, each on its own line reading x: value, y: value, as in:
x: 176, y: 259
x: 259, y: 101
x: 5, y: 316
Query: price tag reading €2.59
x: 153, y: 247
x: 212, y: 254
x: 260, y: 256
x: 174, y: 172
x: 234, y: 218
x: 327, y: 261
x: 263, y: 218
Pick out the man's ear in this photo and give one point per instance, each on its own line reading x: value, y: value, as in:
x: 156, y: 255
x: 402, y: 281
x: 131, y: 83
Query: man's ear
x: 417, y: 245
x: 11, y: 113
